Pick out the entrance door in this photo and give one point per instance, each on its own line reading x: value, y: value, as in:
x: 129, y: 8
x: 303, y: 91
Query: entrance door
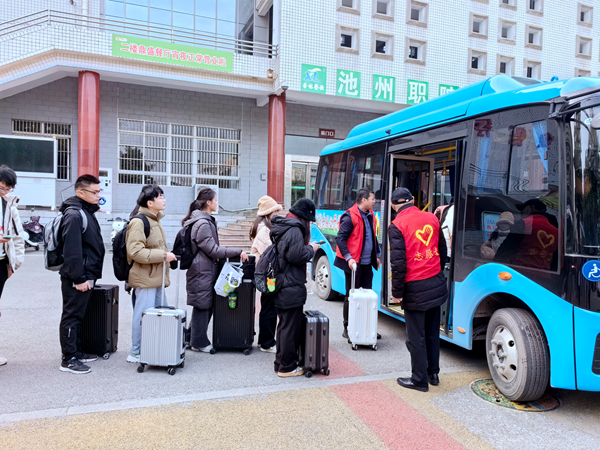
x: 304, y: 176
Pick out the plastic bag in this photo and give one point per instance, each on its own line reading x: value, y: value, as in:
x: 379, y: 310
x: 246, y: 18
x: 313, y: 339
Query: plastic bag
x: 229, y: 279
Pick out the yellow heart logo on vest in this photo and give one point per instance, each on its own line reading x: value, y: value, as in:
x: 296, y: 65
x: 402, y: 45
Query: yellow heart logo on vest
x: 428, y: 232
x: 545, y: 239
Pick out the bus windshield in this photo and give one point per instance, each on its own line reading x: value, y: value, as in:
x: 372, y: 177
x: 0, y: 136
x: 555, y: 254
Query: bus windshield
x: 583, y: 211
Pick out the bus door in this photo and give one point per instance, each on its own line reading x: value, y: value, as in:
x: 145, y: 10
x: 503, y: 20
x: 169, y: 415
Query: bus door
x: 417, y: 175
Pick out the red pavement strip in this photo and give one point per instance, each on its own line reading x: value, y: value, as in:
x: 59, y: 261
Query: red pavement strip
x: 341, y: 367
x: 395, y: 422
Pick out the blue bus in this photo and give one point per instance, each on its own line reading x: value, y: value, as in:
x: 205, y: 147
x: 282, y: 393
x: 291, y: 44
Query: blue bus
x: 516, y: 163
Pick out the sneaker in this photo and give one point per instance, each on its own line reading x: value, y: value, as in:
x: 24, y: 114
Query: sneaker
x: 84, y: 357
x: 206, y: 349
x: 73, y: 365
x: 3, y: 361
x: 133, y: 358
x: 269, y: 350
x: 298, y: 371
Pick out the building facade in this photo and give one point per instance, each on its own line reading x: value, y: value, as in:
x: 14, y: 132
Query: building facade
x: 243, y: 94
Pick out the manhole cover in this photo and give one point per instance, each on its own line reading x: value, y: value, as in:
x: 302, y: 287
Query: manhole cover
x: 487, y: 390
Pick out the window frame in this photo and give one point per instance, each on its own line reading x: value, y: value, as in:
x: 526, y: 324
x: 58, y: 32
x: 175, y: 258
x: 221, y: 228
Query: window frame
x: 355, y: 32
x: 512, y: 26
x: 583, y: 40
x: 326, y: 190
x: 539, y: 31
x: 512, y: 5
x: 354, y: 10
x: 389, y: 38
x: 590, y: 9
x: 537, y: 11
x: 422, y: 48
x: 508, y: 60
x: 391, y: 8
x: 423, y: 7
x: 482, y: 56
x: 483, y: 20
x: 536, y: 66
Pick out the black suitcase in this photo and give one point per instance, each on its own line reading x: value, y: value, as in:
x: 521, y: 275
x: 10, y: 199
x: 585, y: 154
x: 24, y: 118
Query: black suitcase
x: 100, y: 325
x: 233, y: 329
x: 314, y: 345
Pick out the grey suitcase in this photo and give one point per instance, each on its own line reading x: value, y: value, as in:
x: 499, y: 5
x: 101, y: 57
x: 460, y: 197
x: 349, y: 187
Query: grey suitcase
x: 163, y: 335
x: 314, y: 344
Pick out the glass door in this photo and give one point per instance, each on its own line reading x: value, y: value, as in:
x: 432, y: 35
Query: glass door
x: 304, y: 176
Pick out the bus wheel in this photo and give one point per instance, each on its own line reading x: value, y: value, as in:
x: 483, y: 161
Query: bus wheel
x: 517, y: 354
x: 323, y: 279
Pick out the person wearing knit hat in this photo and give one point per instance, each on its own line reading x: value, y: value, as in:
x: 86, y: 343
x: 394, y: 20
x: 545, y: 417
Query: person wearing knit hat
x: 305, y: 209
x: 261, y: 240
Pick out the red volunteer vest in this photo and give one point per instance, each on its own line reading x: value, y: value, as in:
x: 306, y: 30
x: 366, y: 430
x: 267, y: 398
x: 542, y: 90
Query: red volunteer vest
x: 355, y: 241
x: 421, y: 231
x: 539, y: 243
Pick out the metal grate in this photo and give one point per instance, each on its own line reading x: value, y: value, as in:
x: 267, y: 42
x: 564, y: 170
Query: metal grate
x: 62, y: 131
x: 178, y: 155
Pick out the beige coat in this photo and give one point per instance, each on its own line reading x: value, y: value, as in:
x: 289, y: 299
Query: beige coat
x: 261, y: 241
x: 147, y: 255
x: 14, y: 248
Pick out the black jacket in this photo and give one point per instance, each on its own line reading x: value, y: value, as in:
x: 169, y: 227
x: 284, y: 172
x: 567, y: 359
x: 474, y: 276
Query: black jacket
x: 346, y: 229
x: 83, y: 252
x: 288, y: 234
x: 418, y: 295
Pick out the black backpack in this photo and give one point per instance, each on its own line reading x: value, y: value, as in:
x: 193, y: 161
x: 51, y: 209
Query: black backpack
x: 183, y: 247
x: 267, y: 276
x: 120, y: 265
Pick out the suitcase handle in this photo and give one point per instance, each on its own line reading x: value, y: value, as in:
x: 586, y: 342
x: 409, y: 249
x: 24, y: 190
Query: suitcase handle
x: 353, y: 278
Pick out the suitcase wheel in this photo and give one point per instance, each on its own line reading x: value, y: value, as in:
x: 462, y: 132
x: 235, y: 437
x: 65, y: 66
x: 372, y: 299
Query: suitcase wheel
x: 182, y: 365
x: 171, y: 370
x: 140, y: 368
x: 355, y: 347
x: 326, y: 372
x: 212, y: 351
x: 246, y: 351
x: 308, y: 374
x: 375, y: 348
x: 106, y: 355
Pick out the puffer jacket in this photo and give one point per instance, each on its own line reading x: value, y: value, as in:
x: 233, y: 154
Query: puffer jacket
x: 203, y: 273
x: 14, y: 249
x: 261, y: 241
x: 288, y: 234
x: 148, y: 255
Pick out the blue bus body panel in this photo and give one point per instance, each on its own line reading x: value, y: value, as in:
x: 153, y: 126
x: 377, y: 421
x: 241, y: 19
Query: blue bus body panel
x: 554, y: 314
x: 587, y: 329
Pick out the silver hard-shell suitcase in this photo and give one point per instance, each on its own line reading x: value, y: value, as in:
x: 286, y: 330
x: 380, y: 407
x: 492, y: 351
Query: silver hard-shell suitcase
x: 362, y: 316
x: 163, y: 335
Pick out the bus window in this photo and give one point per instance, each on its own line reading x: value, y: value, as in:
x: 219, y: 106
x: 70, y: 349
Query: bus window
x: 364, y: 170
x: 332, y: 181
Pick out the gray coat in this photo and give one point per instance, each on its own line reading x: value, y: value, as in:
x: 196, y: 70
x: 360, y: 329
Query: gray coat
x: 203, y: 273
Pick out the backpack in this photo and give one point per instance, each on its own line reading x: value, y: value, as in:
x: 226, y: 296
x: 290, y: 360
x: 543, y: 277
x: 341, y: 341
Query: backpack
x: 183, y: 247
x: 53, y: 245
x: 267, y: 271
x: 120, y: 265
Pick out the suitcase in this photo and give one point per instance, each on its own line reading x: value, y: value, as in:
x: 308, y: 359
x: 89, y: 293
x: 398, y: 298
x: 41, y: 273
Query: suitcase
x: 100, y: 325
x: 233, y: 329
x: 163, y: 341
x: 362, y: 317
x: 314, y: 344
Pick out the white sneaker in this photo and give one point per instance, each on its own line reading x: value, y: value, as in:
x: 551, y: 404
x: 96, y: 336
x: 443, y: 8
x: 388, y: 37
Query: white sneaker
x: 206, y: 349
x: 3, y: 361
x: 269, y: 350
x: 133, y: 358
x: 298, y: 371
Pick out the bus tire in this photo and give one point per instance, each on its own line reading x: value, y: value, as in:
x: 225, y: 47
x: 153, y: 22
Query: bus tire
x: 517, y: 354
x: 323, y: 279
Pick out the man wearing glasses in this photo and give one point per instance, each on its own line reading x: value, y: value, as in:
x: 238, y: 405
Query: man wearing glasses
x: 83, y: 252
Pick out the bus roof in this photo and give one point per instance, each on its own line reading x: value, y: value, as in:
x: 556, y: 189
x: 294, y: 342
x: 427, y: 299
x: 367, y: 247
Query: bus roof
x: 497, y: 92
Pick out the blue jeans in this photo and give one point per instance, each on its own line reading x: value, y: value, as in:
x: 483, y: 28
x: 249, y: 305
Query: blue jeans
x: 144, y: 299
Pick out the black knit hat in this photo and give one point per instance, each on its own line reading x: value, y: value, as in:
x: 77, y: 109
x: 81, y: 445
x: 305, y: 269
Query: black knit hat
x: 305, y: 209
x: 401, y: 195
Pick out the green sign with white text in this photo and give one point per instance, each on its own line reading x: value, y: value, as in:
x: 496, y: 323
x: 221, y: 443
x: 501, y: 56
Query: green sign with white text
x: 170, y: 53
x: 384, y: 88
x: 348, y: 83
x: 446, y: 89
x: 418, y: 92
x: 314, y: 79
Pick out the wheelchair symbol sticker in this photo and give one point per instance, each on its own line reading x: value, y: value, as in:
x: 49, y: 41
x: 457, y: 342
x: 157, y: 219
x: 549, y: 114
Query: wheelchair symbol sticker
x: 591, y: 270
x: 102, y: 201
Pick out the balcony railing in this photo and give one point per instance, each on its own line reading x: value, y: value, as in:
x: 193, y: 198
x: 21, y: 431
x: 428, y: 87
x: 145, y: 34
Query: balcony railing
x: 52, y: 18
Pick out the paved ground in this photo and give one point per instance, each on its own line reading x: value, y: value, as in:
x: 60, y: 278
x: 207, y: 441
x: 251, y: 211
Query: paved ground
x: 229, y: 400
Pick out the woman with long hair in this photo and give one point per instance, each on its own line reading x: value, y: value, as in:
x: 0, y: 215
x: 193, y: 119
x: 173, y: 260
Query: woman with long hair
x: 261, y: 239
x: 203, y: 273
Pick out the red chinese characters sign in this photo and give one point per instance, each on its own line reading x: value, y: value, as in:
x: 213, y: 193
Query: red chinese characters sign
x: 170, y: 53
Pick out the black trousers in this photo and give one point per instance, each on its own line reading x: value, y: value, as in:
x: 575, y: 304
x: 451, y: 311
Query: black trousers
x: 364, y: 279
x: 423, y: 343
x: 3, y: 273
x: 289, y: 332
x: 75, y: 304
x: 267, y: 321
x: 199, y: 324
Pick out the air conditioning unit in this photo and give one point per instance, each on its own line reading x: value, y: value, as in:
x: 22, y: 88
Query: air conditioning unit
x: 214, y: 187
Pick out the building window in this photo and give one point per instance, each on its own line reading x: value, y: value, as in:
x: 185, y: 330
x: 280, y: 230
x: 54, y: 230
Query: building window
x: 535, y: 7
x: 178, y: 155
x: 417, y: 13
x: 383, y: 9
x: 507, y: 32
x: 347, y: 40
x: 415, y: 51
x: 477, y: 62
x: 382, y: 46
x: 505, y: 65
x: 479, y: 26
x: 62, y: 131
x: 510, y: 4
x: 585, y: 15
x: 532, y: 69
x: 349, y: 6
x: 584, y: 47
x: 533, y: 37
x: 582, y: 73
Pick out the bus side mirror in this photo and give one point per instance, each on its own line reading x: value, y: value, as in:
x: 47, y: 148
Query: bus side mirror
x: 596, y: 122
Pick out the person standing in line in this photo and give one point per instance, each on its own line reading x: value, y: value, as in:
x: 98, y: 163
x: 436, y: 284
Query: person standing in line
x: 12, y: 251
x: 417, y: 257
x: 260, y: 237
x: 83, y: 253
x: 148, y: 255
x: 291, y: 234
x: 203, y: 273
x: 357, y: 246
